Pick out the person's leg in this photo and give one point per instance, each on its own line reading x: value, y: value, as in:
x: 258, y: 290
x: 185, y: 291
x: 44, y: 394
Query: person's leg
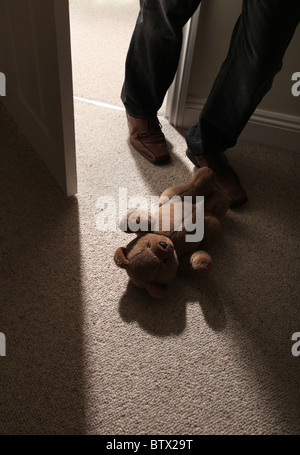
x: 151, y: 64
x: 259, y: 41
x: 153, y: 54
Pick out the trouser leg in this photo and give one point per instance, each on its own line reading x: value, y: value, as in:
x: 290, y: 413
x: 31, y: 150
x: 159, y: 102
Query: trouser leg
x: 259, y: 41
x: 154, y: 53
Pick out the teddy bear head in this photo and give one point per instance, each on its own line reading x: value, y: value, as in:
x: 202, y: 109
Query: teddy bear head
x: 150, y: 261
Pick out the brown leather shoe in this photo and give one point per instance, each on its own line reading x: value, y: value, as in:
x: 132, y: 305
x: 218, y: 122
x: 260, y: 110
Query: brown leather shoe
x: 147, y: 138
x: 226, y: 179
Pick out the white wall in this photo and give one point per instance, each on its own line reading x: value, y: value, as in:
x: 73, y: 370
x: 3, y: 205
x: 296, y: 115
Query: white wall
x: 276, y: 121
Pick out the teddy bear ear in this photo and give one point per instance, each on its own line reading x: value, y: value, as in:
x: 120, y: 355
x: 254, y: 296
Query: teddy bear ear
x: 120, y: 257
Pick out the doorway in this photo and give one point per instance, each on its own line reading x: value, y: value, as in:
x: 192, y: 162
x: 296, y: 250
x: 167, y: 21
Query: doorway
x: 100, y: 34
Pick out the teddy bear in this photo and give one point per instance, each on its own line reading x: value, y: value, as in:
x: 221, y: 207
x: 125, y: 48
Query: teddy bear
x: 153, y: 258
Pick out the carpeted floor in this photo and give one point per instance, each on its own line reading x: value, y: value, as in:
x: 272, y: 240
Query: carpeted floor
x: 87, y: 352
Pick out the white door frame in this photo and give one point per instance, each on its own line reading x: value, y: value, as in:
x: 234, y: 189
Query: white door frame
x: 177, y: 94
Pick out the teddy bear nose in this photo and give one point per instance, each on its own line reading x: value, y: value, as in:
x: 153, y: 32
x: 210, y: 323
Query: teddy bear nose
x: 163, y: 245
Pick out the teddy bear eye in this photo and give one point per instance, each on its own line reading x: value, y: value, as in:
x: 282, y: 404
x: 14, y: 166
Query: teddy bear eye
x: 148, y: 245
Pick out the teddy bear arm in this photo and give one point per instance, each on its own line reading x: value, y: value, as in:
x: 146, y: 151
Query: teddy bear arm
x: 200, y: 261
x: 197, y: 262
x: 136, y: 222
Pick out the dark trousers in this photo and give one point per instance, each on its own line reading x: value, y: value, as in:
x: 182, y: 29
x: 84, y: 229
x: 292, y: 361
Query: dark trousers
x: 258, y: 43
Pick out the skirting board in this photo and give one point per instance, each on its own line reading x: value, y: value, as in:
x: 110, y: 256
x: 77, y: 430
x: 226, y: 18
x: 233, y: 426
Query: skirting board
x: 267, y: 128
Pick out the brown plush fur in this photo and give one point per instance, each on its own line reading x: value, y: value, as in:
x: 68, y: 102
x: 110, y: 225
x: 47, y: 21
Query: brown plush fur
x: 153, y: 258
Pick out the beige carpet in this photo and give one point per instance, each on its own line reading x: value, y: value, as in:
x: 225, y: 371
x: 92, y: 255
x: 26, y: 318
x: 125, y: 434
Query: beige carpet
x: 88, y: 353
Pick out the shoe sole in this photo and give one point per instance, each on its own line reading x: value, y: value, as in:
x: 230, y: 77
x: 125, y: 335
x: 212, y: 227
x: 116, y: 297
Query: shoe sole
x: 165, y: 160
